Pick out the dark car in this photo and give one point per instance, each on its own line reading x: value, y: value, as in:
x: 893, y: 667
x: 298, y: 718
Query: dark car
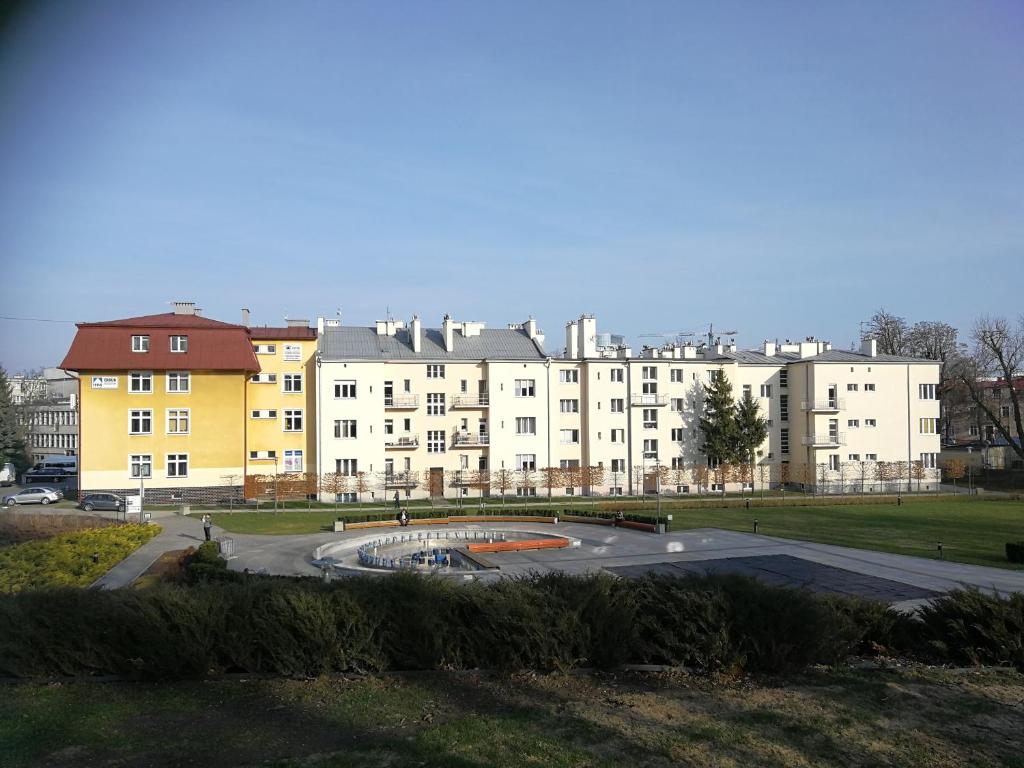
x: 41, y: 474
x: 110, y: 501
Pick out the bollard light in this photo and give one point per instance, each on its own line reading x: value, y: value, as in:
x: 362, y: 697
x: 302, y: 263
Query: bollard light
x: 95, y: 557
x: 755, y: 525
x: 939, y: 547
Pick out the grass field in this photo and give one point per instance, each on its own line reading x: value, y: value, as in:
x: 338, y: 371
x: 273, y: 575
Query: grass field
x: 828, y: 718
x: 971, y: 530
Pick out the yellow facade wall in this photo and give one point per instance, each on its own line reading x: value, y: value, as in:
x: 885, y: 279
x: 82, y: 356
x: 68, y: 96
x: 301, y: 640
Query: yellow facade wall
x: 214, y: 443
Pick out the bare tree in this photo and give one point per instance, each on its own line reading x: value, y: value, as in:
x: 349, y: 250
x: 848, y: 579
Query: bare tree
x: 593, y: 477
x: 701, y: 475
x: 504, y: 479
x: 935, y: 340
x: 526, y: 479
x: 997, y: 353
x: 361, y: 483
x: 551, y: 477
x: 918, y: 472
x: 231, y: 481
x: 954, y: 470
x: 572, y: 476
x: 890, y: 331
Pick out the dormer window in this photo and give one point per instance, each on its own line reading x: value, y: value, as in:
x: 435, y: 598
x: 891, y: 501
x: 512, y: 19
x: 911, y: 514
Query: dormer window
x: 179, y: 343
x: 140, y: 343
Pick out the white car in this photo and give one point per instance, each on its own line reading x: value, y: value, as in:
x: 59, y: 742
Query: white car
x: 33, y: 495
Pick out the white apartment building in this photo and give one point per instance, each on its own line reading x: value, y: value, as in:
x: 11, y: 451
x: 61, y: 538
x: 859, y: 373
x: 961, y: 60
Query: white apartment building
x: 466, y: 410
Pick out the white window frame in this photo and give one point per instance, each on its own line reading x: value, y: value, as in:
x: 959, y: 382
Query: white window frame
x: 526, y: 461
x: 140, y: 343
x: 526, y: 387
x: 568, y: 375
x: 620, y: 433
x: 870, y: 422
x: 144, y: 413
x: 175, y: 414
x: 265, y: 349
x: 140, y: 377
x: 568, y: 436
x: 263, y: 378
x: 526, y: 425
x: 346, y: 429
x: 435, y: 371
x: 617, y: 375
x: 141, y: 460
x: 342, y: 387
x: 175, y: 460
x: 291, y: 414
x: 294, y: 459
x: 265, y: 413
x: 178, y: 344
x: 288, y: 380
x: 178, y: 377
x: 436, y: 441
x: 435, y: 404
x: 569, y: 405
x: 617, y: 405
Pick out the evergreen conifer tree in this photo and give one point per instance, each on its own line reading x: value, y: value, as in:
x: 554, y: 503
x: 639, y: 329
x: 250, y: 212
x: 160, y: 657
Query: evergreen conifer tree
x: 718, y: 424
x: 12, y: 434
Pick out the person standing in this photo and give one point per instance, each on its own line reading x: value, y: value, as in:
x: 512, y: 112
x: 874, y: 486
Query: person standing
x: 207, y: 526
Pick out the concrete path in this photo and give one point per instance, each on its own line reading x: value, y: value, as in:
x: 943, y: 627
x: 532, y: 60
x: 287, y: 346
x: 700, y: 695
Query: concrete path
x: 178, y: 533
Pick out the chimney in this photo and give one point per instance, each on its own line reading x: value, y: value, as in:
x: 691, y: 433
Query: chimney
x: 185, y: 308
x: 297, y: 323
x: 769, y: 348
x: 414, y: 334
x: 572, y: 341
x: 448, y: 331
x: 588, y: 336
x: 869, y: 347
x: 245, y: 317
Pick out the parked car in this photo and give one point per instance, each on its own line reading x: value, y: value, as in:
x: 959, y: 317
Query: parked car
x: 34, y: 495
x: 41, y: 473
x: 7, y: 474
x: 109, y: 501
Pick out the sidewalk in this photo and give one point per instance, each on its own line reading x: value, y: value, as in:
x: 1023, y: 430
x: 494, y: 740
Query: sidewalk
x: 178, y: 533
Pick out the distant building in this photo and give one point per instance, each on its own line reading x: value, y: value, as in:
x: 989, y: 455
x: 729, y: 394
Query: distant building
x: 48, y: 411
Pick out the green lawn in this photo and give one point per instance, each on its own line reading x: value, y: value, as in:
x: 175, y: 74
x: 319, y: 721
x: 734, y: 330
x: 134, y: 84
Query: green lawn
x: 971, y: 530
x: 824, y: 718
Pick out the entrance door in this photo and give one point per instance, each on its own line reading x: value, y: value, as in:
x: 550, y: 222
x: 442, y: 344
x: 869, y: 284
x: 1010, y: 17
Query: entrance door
x: 436, y: 482
x: 833, y: 396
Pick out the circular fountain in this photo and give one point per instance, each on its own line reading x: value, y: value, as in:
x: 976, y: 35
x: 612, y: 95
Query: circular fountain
x: 446, y: 550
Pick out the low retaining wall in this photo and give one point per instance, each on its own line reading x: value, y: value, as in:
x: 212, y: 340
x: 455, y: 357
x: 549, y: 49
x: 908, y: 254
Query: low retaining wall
x: 341, y: 525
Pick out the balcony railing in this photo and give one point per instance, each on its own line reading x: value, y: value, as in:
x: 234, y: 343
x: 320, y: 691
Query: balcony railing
x: 829, y: 404
x: 470, y: 438
x: 402, y: 442
x: 402, y: 401
x: 471, y: 401
x: 650, y: 400
x: 830, y: 439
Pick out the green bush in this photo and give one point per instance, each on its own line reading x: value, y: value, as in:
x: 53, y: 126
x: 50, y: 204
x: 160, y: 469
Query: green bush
x: 67, y: 559
x: 1015, y: 551
x: 970, y: 627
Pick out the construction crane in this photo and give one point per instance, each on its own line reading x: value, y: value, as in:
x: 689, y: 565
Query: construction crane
x: 711, y: 334
x: 677, y: 335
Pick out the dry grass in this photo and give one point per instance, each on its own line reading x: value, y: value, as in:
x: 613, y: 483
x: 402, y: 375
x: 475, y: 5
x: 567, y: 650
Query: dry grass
x: 16, y: 527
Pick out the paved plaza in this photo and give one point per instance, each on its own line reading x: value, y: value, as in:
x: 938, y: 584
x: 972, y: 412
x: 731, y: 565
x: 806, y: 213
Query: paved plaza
x: 898, y: 579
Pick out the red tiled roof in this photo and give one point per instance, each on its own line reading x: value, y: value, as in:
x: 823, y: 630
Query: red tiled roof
x: 212, y: 345
x: 272, y: 333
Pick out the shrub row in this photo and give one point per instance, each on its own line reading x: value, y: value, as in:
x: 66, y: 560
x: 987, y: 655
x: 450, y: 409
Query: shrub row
x: 303, y: 627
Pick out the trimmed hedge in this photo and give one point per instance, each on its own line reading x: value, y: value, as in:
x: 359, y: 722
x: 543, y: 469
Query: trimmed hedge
x: 1015, y: 551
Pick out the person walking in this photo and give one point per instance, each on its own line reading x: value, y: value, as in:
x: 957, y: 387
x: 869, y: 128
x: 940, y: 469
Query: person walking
x: 397, y: 502
x: 207, y: 526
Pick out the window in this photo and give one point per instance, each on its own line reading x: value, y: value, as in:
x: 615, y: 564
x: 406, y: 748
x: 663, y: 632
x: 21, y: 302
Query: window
x: 179, y: 343
x: 677, y: 434
x: 869, y: 387
x: 525, y: 388
x: 292, y: 353
x: 851, y: 387
x: 871, y: 457
x: 569, y: 406
x: 650, y: 373
x: 618, y: 435
x: 293, y: 460
x: 179, y: 382
x: 783, y: 378
x: 569, y: 436
x: 345, y: 429
x: 569, y: 376
x: 435, y: 404
x: 140, y: 381
x: 435, y: 371
x: 678, y: 404
x: 526, y: 461
x: 526, y: 425
x: 714, y: 376
x: 783, y: 407
x: 345, y: 390
x: 140, y: 422
x: 348, y: 497
x: 389, y: 426
x: 618, y: 405
x: 521, y: 491
x: 265, y: 414
x: 926, y: 391
x: 265, y: 349
x: 870, y: 423
x: 1004, y: 411
x: 766, y: 390
x: 407, y: 425
x: 929, y: 460
x: 853, y: 423
x: 928, y: 426
x: 263, y: 378
x: 292, y: 420
x: 257, y: 455
x: 676, y: 375
x: 784, y: 440
x: 833, y: 462
x: 407, y: 386
x: 140, y: 343
x: 177, y: 465
x: 616, y: 375
x: 973, y: 430
x: 346, y: 467
x: 177, y: 421
x: 650, y: 449
x: 649, y: 387
x: 853, y: 457
x: 650, y: 418
x: 293, y: 382
x: 435, y: 441
x: 140, y: 465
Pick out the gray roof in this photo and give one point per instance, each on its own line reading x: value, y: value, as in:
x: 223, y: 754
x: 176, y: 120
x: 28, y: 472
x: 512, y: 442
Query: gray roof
x: 753, y: 357
x: 360, y: 343
x: 849, y: 356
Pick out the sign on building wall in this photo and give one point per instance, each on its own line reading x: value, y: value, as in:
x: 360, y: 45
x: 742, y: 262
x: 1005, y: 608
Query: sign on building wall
x: 292, y: 352
x: 104, y: 382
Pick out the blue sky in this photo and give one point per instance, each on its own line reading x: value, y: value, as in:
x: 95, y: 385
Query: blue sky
x: 782, y: 168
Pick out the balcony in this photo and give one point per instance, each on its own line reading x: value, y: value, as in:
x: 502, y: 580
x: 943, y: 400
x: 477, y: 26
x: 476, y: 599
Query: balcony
x: 829, y: 405
x: 400, y: 480
x: 396, y: 443
x: 471, y: 401
x: 830, y: 440
x: 470, y: 439
x: 649, y: 400
x: 398, y: 402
